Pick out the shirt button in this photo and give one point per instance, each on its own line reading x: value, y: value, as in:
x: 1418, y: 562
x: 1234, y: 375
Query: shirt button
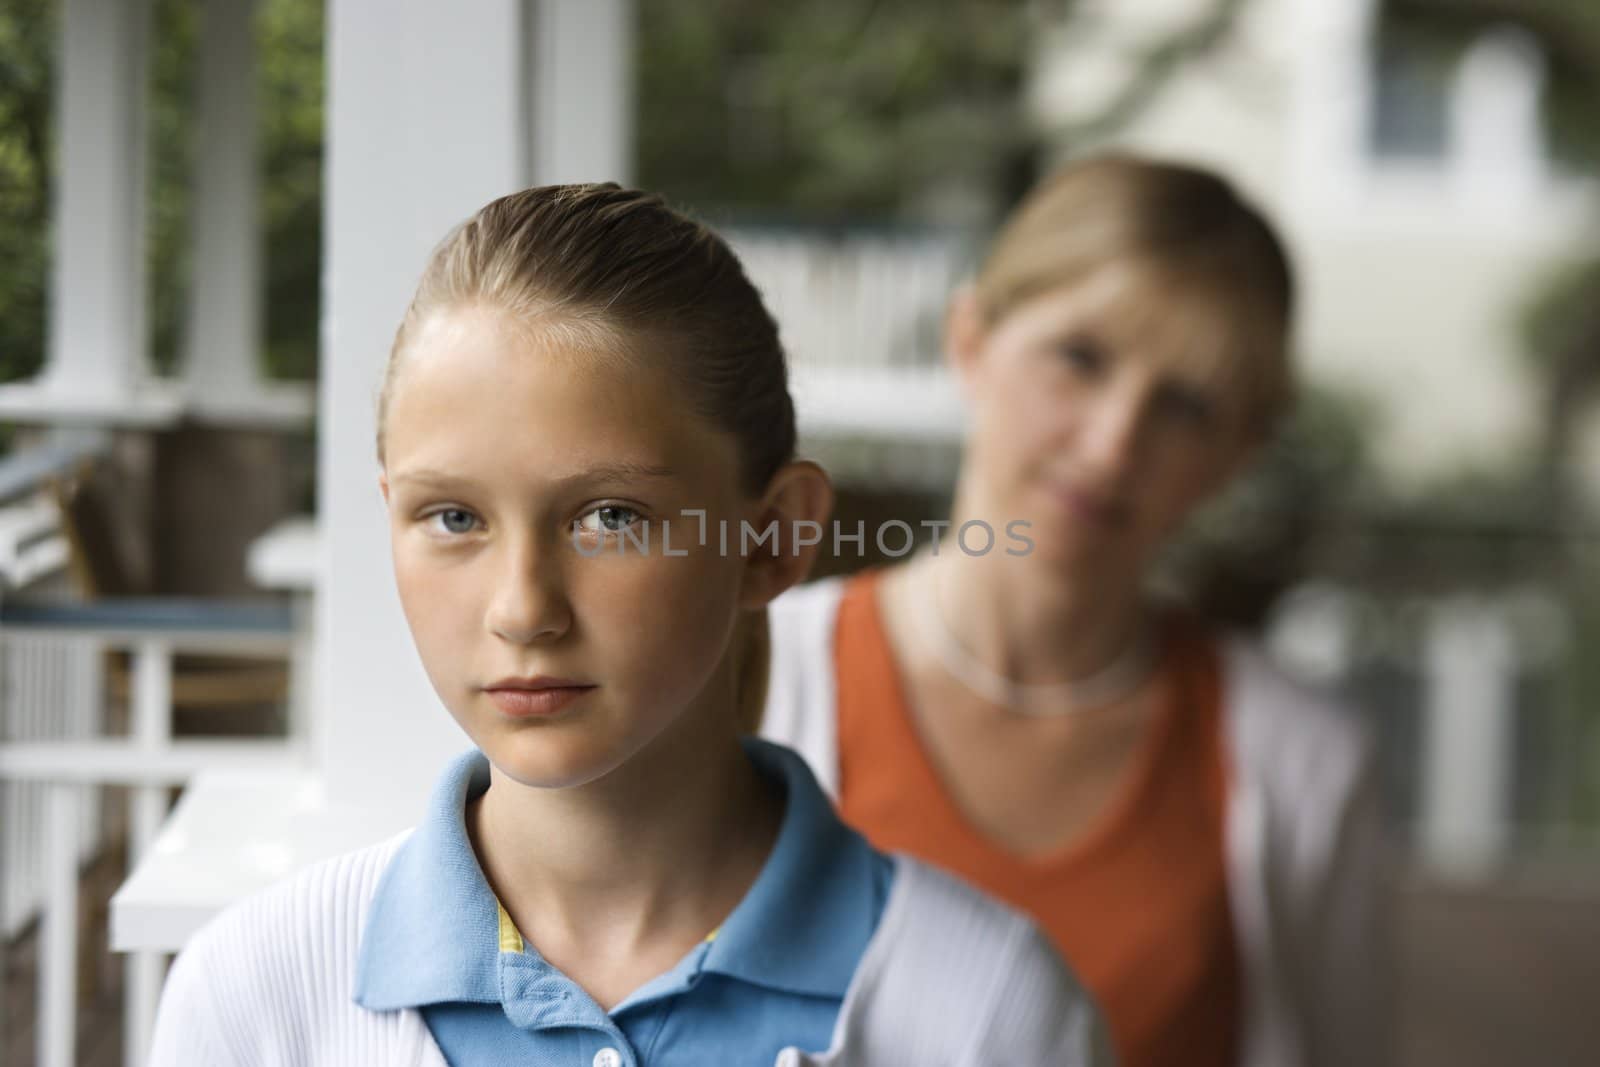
x: 608, y: 1057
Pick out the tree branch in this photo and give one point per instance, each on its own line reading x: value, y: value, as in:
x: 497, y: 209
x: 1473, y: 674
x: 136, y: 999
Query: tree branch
x: 1157, y: 64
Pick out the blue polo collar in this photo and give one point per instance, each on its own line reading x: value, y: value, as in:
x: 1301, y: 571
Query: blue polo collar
x: 432, y: 931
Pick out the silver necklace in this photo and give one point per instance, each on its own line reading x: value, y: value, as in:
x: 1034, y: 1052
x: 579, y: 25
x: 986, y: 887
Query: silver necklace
x: 1116, y: 680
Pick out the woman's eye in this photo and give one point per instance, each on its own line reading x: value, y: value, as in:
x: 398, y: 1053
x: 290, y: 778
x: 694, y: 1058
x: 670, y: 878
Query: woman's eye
x: 613, y: 518
x: 1083, y: 354
x: 1188, y: 406
x: 454, y: 520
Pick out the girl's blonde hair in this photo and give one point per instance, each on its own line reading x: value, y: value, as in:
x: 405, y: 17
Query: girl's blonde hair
x: 1215, y: 259
x: 599, y: 265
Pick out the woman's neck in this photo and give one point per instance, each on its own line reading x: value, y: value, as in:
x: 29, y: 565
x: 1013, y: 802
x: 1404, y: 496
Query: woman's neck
x: 638, y: 865
x: 1025, y: 620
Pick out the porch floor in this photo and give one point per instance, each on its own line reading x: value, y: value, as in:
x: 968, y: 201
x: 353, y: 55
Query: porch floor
x: 1489, y: 976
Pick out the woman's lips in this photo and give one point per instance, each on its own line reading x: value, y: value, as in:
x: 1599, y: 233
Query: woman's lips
x: 536, y: 703
x: 1096, y: 509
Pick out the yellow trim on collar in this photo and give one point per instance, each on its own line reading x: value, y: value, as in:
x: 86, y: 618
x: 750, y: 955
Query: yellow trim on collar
x: 510, y: 937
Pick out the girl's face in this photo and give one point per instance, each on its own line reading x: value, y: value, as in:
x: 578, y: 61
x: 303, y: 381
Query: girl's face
x: 1095, y: 419
x: 513, y: 468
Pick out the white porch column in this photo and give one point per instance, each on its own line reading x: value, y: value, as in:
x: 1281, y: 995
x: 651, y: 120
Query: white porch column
x: 152, y: 731
x: 97, y: 346
x: 55, y: 1042
x: 1467, y: 737
x: 223, y: 326
x: 581, y: 91
x: 426, y: 122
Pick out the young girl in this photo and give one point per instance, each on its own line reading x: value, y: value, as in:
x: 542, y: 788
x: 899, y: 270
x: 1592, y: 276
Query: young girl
x: 587, y: 451
x: 1198, y: 835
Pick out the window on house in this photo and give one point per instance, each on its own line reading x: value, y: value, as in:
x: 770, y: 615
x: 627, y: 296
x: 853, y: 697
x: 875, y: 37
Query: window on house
x: 1410, y: 116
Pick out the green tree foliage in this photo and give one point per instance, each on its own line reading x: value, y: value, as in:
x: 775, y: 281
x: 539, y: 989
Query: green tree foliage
x: 170, y: 166
x: 290, y: 84
x: 833, y: 111
x: 878, y: 110
x: 290, y: 94
x: 27, y: 42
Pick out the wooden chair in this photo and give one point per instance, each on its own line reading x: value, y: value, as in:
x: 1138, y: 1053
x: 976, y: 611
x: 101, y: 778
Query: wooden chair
x: 206, y: 690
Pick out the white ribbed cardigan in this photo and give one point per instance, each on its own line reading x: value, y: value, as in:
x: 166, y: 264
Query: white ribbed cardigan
x: 1306, y: 879
x: 949, y: 979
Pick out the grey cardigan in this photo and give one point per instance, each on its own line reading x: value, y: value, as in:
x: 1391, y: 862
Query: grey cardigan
x: 949, y: 979
x: 1306, y: 877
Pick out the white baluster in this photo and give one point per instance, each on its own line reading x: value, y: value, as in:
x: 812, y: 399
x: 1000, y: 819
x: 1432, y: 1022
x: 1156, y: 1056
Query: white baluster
x: 1466, y: 758
x: 58, y: 949
x: 152, y: 731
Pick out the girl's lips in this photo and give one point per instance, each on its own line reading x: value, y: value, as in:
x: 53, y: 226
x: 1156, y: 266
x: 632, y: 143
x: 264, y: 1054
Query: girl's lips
x: 536, y: 703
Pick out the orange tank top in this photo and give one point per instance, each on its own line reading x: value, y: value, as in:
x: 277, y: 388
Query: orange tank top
x: 1138, y: 905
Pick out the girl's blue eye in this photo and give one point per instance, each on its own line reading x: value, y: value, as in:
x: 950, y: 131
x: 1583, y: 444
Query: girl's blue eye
x: 455, y: 520
x: 610, y: 519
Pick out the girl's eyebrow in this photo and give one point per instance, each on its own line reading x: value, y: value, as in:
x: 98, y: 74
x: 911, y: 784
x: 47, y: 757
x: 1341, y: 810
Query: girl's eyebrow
x: 624, y: 471
x: 601, y: 472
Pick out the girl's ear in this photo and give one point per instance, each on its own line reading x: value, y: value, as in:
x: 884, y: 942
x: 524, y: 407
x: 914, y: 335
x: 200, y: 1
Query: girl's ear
x: 797, y: 505
x: 963, y: 332
x: 383, y: 485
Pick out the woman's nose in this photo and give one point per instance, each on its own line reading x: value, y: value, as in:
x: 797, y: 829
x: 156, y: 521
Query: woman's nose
x: 529, y: 602
x: 1111, y: 432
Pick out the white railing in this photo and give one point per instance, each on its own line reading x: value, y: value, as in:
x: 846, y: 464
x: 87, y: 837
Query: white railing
x: 859, y: 299
x: 861, y: 315
x: 1465, y: 658
x: 49, y: 690
x: 148, y: 762
x: 49, y: 695
x: 56, y: 757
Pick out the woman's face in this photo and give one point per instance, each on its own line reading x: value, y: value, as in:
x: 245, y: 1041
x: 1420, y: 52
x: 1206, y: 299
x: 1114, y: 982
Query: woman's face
x: 1095, y: 420
x: 512, y: 469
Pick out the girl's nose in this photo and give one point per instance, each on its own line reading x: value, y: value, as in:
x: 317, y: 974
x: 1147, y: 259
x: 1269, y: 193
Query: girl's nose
x: 529, y: 602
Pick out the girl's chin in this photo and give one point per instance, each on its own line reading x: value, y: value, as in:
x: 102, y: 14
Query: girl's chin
x: 548, y: 761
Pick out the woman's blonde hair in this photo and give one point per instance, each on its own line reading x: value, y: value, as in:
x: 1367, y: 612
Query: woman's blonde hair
x: 1186, y: 230
x: 599, y: 265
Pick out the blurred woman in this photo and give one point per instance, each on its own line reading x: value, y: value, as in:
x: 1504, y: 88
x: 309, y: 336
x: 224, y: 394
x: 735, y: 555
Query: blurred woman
x: 1197, y: 834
